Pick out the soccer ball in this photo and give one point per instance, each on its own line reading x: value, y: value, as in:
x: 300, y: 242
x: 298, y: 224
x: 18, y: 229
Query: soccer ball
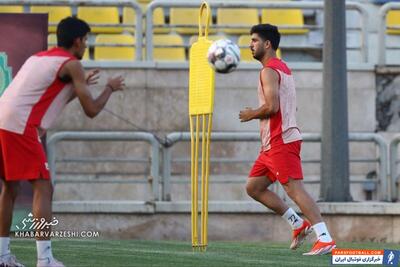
x: 224, y: 56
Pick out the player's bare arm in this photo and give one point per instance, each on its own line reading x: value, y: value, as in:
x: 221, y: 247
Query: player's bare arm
x: 92, y: 78
x: 270, y: 81
x: 91, y: 106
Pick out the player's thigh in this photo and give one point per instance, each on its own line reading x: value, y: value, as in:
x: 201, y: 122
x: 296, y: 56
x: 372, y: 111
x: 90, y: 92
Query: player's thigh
x: 9, y: 187
x: 257, y: 183
x: 260, y: 175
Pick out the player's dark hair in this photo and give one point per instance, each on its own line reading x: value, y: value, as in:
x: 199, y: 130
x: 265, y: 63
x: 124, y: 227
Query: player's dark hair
x: 69, y: 29
x: 267, y: 32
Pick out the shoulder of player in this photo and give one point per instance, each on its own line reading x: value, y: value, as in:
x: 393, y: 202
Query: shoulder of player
x: 73, y: 63
x: 73, y: 66
x: 72, y: 69
x: 269, y: 73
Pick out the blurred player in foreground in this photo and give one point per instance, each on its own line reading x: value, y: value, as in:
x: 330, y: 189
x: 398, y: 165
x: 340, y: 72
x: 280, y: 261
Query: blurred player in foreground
x: 279, y: 158
x: 42, y: 88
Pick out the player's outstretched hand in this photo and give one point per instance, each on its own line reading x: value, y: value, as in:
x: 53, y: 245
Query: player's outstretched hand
x: 92, y: 77
x: 116, y: 83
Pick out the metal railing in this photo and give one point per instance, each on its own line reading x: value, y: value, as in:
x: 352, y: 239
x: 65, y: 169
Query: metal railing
x: 382, y: 31
x: 74, y: 3
x: 394, y: 161
x: 108, y: 136
x: 383, y: 192
x: 247, y: 4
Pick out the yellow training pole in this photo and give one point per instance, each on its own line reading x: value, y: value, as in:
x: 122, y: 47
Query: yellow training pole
x: 194, y: 187
x: 201, y: 105
x: 196, y: 181
x: 204, y: 200
x: 205, y: 231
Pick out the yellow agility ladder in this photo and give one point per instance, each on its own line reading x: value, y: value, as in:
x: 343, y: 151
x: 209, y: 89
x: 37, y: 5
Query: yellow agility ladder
x: 201, y: 104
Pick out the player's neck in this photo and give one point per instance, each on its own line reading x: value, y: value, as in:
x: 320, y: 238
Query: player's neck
x: 69, y: 50
x: 267, y: 57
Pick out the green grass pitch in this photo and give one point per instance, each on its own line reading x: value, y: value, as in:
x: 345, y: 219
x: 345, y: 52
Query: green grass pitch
x: 116, y: 253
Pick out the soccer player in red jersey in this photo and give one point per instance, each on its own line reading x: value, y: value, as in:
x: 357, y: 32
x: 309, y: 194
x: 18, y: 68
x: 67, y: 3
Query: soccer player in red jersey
x: 41, y: 89
x: 279, y: 159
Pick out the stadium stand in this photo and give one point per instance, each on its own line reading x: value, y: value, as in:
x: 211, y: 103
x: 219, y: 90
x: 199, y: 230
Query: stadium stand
x: 114, y: 52
x: 189, y: 17
x: 56, y: 13
x: 101, y: 15
x: 245, y: 18
x: 11, y: 9
x: 176, y: 51
x: 129, y: 17
x: 393, y: 20
x: 285, y: 17
x: 183, y: 20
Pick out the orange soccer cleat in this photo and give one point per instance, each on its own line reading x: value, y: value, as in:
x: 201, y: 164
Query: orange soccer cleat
x: 321, y: 248
x: 300, y: 234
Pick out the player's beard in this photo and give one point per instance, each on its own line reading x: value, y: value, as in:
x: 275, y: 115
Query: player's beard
x: 259, y: 54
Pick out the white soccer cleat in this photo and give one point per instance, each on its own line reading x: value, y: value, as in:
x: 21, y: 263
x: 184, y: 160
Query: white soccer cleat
x: 9, y: 260
x: 47, y: 262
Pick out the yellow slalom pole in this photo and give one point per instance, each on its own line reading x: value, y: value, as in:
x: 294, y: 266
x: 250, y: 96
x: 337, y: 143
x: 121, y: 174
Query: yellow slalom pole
x: 196, y: 182
x: 193, y: 183
x: 203, y: 183
x: 205, y: 231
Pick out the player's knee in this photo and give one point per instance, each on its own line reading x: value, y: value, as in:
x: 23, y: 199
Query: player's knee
x: 252, y: 190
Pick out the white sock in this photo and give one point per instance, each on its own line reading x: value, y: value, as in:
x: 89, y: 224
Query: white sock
x: 4, y: 246
x: 44, y: 249
x: 292, y: 218
x: 322, y: 232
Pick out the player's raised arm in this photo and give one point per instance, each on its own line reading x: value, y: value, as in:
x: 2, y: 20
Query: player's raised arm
x: 91, y: 106
x: 270, y: 87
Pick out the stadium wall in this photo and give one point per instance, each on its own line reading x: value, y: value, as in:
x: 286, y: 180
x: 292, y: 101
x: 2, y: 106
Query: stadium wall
x: 372, y: 222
